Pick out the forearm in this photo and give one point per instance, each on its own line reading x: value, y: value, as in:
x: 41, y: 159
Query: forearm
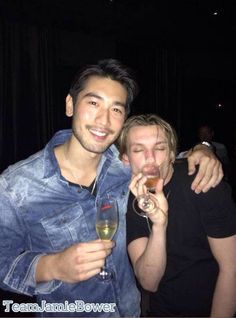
x: 202, y: 147
x: 150, y: 266
x: 224, y: 299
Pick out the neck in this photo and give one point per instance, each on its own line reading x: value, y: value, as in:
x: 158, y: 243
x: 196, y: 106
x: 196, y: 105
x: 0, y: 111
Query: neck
x: 77, y: 165
x: 79, y: 157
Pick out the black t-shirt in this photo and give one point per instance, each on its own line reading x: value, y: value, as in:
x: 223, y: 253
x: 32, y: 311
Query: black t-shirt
x: 187, y: 286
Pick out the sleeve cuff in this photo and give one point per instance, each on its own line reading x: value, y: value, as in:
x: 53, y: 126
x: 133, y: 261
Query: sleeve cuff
x: 21, y: 276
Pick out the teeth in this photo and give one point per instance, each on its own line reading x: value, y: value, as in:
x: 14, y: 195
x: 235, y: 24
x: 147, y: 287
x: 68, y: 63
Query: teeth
x: 98, y: 133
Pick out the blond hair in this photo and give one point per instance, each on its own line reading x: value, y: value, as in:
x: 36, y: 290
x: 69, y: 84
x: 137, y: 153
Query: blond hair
x: 147, y: 120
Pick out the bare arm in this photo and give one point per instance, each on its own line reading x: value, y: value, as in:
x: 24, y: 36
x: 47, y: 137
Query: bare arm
x: 224, y: 299
x: 148, y: 255
x: 210, y: 171
x: 76, y: 263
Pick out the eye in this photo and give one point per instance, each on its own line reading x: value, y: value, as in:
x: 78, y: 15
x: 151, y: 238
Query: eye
x: 160, y: 148
x: 93, y: 103
x: 137, y: 150
x: 118, y: 110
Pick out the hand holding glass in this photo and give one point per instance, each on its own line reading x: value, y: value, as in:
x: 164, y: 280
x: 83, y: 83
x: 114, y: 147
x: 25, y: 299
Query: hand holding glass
x: 145, y: 203
x: 106, y: 226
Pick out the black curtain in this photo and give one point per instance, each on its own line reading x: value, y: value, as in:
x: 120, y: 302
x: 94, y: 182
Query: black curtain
x: 26, y: 89
x: 160, y: 76
x: 29, y: 64
x: 168, y: 85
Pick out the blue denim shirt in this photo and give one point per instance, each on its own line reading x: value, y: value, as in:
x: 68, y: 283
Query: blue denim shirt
x: 42, y: 213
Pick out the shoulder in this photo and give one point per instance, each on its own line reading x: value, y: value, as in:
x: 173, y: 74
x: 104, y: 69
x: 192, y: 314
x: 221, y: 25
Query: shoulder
x: 181, y: 171
x: 116, y: 165
x: 181, y: 165
x: 114, y: 177
x: 40, y: 165
x: 184, y: 180
x: 216, y: 207
x: 180, y: 183
x: 19, y: 181
x: 24, y: 166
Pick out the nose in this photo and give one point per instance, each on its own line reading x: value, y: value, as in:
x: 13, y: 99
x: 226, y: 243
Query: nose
x: 150, y: 156
x: 103, y: 117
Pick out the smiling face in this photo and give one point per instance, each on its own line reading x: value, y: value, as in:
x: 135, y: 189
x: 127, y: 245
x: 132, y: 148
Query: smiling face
x: 98, y: 115
x: 148, y: 144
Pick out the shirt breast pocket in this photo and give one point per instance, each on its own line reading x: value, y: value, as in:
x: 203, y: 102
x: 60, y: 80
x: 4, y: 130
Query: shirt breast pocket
x: 66, y: 227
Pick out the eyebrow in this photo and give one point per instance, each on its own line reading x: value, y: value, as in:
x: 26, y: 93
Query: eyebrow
x: 91, y: 94
x: 141, y: 144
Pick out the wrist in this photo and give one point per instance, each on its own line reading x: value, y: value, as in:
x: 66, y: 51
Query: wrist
x: 203, y: 145
x: 45, y: 268
x: 159, y: 227
x: 207, y: 144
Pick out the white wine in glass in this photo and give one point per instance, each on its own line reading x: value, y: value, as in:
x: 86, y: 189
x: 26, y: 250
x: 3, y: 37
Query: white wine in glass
x: 106, y: 226
x: 106, y: 229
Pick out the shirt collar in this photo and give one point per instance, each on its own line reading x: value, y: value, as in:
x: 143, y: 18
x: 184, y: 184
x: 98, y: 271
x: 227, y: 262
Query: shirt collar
x: 50, y: 162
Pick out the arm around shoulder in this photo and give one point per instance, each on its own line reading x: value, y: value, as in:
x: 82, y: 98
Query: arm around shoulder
x: 210, y: 171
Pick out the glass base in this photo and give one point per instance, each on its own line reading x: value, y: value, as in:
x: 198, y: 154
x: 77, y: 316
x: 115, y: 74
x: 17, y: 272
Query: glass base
x: 144, y: 204
x: 137, y: 208
x: 106, y: 274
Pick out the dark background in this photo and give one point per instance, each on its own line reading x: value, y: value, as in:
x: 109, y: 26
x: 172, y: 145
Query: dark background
x: 183, y: 52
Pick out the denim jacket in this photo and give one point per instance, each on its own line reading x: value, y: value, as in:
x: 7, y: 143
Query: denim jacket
x: 42, y: 213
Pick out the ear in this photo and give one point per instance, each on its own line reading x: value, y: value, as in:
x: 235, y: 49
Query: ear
x: 125, y: 160
x: 69, y: 106
x: 172, y: 157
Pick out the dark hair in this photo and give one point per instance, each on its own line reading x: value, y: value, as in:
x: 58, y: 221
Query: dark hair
x: 109, y: 68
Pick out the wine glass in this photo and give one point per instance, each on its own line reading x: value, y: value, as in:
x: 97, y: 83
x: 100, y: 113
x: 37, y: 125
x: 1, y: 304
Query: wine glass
x: 145, y: 203
x: 106, y: 226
